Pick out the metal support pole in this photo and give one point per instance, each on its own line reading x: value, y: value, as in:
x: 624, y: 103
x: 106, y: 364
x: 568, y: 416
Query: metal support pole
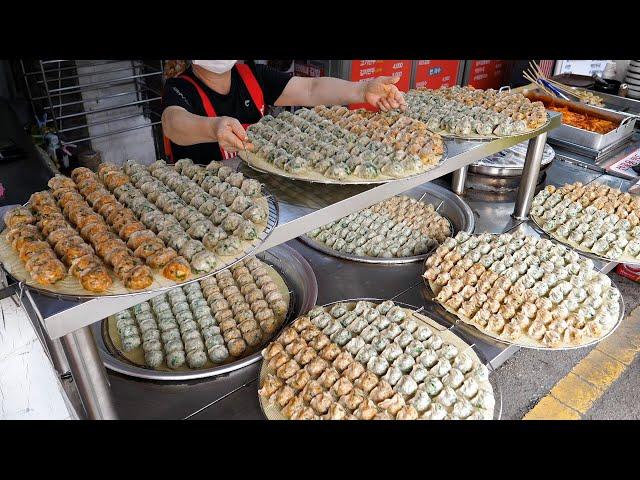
x: 458, y: 180
x: 89, y: 374
x: 56, y: 125
x: 530, y: 173
x: 53, y: 348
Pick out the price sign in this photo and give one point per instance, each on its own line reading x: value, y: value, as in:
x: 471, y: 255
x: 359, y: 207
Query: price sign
x: 436, y: 73
x: 487, y: 73
x: 362, y: 70
x: 625, y: 165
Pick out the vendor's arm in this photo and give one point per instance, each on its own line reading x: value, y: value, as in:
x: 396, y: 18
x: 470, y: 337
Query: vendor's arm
x: 380, y: 92
x: 185, y: 128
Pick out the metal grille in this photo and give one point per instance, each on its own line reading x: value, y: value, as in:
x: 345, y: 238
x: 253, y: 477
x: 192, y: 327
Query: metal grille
x: 67, y: 96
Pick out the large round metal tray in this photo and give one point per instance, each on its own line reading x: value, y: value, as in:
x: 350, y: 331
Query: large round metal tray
x: 449, y: 205
x: 257, y: 163
x: 270, y: 414
x: 493, y: 167
x: 17, y: 271
x: 299, y: 277
x: 593, y: 256
x: 456, y: 320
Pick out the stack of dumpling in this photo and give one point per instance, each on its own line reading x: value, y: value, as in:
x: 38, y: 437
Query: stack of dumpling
x: 362, y: 360
x: 344, y: 144
x: 593, y: 218
x: 523, y: 289
x: 467, y: 111
x: 395, y: 228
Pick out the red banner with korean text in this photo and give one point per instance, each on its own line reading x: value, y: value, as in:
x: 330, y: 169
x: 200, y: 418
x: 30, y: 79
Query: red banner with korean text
x: 488, y: 73
x: 436, y: 73
x: 362, y: 70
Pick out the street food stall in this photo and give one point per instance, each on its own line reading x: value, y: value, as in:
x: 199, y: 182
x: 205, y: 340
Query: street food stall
x: 355, y: 264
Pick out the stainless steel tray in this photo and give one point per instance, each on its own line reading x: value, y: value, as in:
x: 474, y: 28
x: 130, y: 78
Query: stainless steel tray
x: 502, y: 171
x: 538, y: 228
x: 439, y: 311
x: 299, y: 277
x: 585, y: 138
x: 493, y: 379
x: 492, y: 166
x: 449, y: 205
x: 272, y: 222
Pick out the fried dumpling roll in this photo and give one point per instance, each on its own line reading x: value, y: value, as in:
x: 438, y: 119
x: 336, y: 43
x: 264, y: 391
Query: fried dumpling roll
x: 107, y: 245
x: 49, y: 270
x: 83, y: 264
x: 37, y: 199
x: 96, y: 279
x: 76, y: 251
x: 31, y: 248
x: 278, y: 360
x: 80, y: 173
x: 139, y: 237
x: 123, y: 263
x: 59, y: 181
x: 283, y: 395
x: 161, y: 257
x: 115, y: 179
x: 149, y: 248
x: 24, y: 233
x: 65, y: 244
x: 18, y: 216
x: 138, y: 277
x: 177, y: 269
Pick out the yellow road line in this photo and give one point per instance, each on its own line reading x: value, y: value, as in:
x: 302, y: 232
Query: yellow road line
x: 576, y: 393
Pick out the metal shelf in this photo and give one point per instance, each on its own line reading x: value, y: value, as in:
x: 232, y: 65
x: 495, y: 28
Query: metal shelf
x: 303, y: 207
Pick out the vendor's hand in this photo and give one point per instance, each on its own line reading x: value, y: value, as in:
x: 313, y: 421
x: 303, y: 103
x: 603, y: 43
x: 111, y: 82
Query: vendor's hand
x: 382, y: 93
x: 230, y: 134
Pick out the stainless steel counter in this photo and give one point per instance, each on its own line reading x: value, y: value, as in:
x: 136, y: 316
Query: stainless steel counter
x: 234, y: 396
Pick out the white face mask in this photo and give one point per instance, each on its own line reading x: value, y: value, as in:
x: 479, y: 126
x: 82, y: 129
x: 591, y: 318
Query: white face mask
x: 216, y: 66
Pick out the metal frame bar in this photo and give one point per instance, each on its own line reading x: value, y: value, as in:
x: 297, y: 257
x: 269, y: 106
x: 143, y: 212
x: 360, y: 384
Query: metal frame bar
x: 79, y: 75
x: 117, y: 132
x: 108, y: 62
x: 98, y: 86
x: 48, y: 97
x: 101, y: 122
x: 106, y: 109
x: 115, y: 95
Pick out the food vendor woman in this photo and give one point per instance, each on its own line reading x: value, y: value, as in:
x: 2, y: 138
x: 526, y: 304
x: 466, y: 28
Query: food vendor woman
x: 207, y: 108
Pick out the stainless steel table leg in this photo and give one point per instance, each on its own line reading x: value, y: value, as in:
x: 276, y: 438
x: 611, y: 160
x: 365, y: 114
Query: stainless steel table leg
x: 529, y: 178
x: 459, y: 177
x: 89, y: 374
x: 53, y: 348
